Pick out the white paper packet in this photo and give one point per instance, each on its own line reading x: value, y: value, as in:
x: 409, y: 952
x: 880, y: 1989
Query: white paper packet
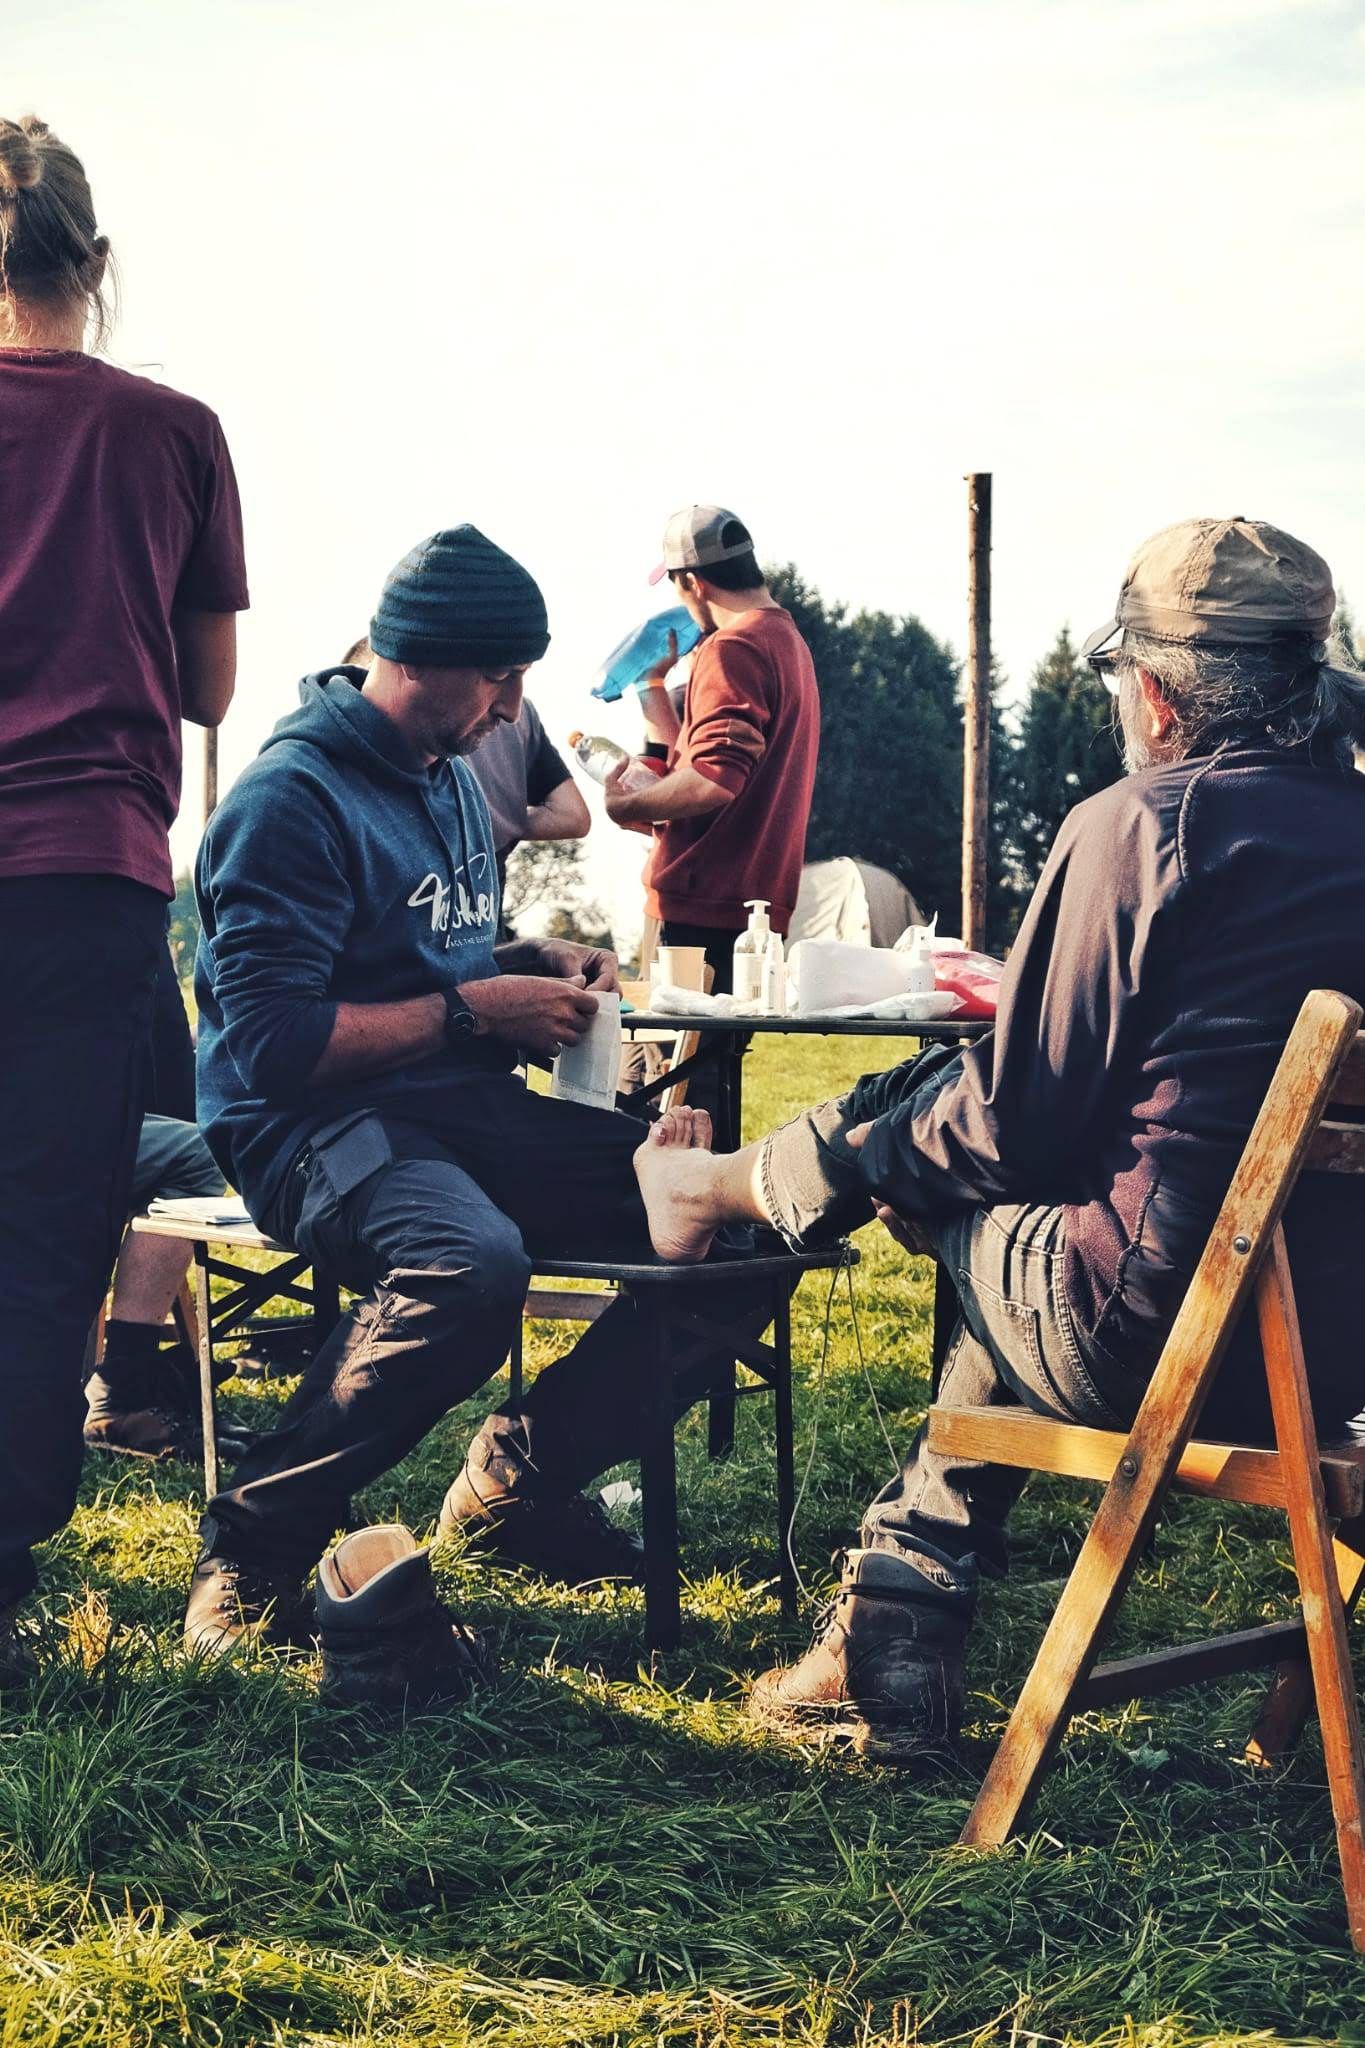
x: 587, y: 1072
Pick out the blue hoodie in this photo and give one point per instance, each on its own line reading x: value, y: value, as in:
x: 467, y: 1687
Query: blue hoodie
x: 336, y: 869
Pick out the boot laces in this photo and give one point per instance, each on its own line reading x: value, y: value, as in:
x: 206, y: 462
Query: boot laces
x: 594, y: 1521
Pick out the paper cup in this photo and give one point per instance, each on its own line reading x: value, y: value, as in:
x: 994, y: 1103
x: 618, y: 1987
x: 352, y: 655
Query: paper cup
x: 679, y: 967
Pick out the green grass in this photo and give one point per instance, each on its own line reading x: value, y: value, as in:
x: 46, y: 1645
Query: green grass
x: 603, y: 1854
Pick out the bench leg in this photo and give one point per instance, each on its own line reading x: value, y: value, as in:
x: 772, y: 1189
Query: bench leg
x: 1324, y: 1616
x: 659, y: 1487
x: 720, y: 1417
x: 515, y: 1363
x: 326, y: 1306
x: 784, y: 1439
x: 208, y: 1416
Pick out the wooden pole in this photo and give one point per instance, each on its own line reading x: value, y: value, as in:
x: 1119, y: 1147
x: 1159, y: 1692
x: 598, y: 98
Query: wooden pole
x: 977, y: 748
x: 210, y: 772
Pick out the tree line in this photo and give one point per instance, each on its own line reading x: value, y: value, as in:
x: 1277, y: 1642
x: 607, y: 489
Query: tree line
x: 889, y: 785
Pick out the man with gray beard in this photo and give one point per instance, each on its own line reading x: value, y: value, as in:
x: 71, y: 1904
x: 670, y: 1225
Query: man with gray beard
x: 1067, y: 1169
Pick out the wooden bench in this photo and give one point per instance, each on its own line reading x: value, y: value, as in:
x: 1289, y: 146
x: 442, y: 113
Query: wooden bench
x: 1321, y: 1071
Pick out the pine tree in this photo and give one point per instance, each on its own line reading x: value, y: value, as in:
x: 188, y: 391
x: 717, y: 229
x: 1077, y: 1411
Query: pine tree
x: 889, y: 784
x: 1067, y: 750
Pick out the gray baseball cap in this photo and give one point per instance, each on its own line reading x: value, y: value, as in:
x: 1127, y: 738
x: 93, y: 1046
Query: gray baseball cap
x: 694, y: 539
x: 1238, y: 581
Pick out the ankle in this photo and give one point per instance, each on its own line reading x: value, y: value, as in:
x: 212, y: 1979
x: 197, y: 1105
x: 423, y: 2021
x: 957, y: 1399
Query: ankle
x: 128, y: 1368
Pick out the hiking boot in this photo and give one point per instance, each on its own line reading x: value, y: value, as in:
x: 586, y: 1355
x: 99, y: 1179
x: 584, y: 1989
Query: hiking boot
x: 387, y: 1641
x: 233, y: 1602
x: 569, y: 1538
x: 18, y: 1665
x: 885, y: 1668
x: 152, y: 1422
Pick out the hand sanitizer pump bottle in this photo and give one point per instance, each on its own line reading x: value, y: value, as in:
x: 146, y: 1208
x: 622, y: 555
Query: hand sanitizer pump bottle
x: 750, y: 952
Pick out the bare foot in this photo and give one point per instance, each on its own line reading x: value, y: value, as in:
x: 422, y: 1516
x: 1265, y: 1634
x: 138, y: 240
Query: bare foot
x: 677, y: 1177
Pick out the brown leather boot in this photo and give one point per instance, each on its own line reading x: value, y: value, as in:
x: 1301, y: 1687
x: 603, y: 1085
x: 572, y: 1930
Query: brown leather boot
x: 885, y: 1669
x: 387, y: 1640
x: 494, y: 1503
x: 232, y: 1601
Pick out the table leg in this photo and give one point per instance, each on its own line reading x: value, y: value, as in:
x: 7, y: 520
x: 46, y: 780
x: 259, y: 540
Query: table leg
x: 659, y: 1487
x: 730, y: 1068
x: 720, y: 1424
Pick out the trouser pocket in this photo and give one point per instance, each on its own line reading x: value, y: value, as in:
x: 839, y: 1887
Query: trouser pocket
x: 336, y: 1162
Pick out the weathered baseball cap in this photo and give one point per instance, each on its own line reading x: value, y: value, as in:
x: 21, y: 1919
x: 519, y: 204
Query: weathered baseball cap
x: 697, y: 536
x: 1240, y: 581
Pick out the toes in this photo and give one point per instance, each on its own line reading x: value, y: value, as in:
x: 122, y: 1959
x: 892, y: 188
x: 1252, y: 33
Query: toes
x: 701, y: 1129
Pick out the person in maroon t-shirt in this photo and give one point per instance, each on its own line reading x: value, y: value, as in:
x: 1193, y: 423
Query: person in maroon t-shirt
x: 729, y: 816
x: 119, y: 580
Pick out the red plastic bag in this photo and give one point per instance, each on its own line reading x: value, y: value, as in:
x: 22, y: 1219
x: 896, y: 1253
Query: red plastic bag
x: 974, y: 977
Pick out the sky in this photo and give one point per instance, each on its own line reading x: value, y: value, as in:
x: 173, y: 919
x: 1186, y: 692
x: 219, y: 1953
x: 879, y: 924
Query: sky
x: 560, y: 266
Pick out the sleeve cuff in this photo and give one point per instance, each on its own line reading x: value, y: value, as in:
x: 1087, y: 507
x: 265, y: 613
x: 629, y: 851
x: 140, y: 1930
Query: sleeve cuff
x: 720, y: 772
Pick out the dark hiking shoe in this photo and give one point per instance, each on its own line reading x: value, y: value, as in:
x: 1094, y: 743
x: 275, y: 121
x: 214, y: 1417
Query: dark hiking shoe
x: 232, y: 1602
x: 387, y: 1641
x: 569, y: 1538
x: 885, y: 1668
x: 161, y: 1425
x: 18, y: 1665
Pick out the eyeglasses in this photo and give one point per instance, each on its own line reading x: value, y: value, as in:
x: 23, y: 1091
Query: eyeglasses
x: 1103, y: 669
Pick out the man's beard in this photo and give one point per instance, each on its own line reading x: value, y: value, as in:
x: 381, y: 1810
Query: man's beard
x: 467, y: 742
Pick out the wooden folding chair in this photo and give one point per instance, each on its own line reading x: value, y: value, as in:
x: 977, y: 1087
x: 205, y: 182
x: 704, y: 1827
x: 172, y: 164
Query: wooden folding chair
x: 1323, y: 1066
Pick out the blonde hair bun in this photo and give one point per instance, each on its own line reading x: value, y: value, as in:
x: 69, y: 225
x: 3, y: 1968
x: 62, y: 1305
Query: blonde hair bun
x: 21, y: 165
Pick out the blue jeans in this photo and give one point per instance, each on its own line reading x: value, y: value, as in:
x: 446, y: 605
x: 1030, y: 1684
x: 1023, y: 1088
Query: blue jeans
x: 436, y: 1227
x: 1016, y: 1340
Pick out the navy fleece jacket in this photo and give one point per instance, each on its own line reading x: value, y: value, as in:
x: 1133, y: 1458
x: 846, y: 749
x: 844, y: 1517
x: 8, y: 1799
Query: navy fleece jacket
x: 336, y: 869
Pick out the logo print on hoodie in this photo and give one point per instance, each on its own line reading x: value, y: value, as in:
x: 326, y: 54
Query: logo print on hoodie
x: 452, y: 908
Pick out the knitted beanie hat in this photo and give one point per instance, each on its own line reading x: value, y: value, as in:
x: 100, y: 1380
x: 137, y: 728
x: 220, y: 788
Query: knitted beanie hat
x: 457, y: 601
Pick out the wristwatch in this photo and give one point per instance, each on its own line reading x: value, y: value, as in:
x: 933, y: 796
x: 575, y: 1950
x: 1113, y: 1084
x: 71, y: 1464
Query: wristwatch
x: 461, y: 1023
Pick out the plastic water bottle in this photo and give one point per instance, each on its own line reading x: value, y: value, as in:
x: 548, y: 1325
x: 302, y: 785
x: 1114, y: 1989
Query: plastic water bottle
x: 597, y: 757
x: 641, y: 650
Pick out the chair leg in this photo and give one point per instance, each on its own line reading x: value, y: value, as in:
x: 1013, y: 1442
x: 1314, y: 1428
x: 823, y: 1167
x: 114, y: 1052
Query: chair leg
x: 659, y: 1487
x: 207, y: 1408
x: 785, y: 1445
x: 1289, y: 1698
x: 1324, y: 1616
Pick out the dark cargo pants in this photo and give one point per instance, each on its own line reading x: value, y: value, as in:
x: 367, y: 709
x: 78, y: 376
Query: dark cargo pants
x: 438, y: 1228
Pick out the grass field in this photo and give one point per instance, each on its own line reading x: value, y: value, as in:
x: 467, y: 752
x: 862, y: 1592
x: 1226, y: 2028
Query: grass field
x: 601, y: 1854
